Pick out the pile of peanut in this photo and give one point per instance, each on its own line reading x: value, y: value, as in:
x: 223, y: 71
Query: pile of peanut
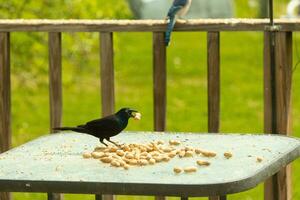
x: 128, y: 155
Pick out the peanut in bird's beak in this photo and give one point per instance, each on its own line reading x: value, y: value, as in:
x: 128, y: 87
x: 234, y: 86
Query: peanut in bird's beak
x: 137, y: 116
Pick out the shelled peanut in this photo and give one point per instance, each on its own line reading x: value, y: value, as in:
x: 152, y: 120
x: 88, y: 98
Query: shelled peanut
x: 203, y: 163
x: 205, y: 153
x: 190, y: 169
x: 158, y: 151
x: 227, y: 155
x: 259, y: 159
x: 134, y: 154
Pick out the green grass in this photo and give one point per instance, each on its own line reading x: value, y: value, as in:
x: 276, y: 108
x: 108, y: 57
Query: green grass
x: 241, y: 87
x: 241, y: 100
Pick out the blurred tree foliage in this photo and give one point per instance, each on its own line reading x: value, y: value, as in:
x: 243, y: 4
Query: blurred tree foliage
x: 65, y: 9
x: 29, y: 51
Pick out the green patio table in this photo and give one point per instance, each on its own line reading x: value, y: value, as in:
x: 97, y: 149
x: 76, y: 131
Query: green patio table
x: 54, y: 164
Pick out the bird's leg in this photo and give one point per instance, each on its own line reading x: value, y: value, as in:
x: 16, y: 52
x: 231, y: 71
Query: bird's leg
x: 101, y: 140
x: 113, y: 142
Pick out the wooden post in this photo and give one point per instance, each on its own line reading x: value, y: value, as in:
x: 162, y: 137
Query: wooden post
x: 159, y: 81
x: 55, y: 80
x: 278, y: 187
x: 107, y: 73
x: 107, y: 82
x: 213, y: 65
x: 98, y: 197
x: 5, y: 102
x: 223, y: 198
x: 213, y: 79
x: 160, y: 84
x: 55, y: 88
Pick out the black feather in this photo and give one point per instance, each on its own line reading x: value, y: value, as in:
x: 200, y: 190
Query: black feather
x: 104, y: 128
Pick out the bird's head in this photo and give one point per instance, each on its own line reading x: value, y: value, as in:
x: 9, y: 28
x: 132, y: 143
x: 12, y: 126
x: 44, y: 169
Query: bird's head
x: 128, y: 113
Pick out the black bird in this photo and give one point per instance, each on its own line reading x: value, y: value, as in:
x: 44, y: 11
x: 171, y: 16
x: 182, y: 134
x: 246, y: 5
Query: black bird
x: 106, y: 127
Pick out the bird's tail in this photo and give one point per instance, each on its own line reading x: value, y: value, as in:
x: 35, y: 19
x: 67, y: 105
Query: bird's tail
x: 169, y: 29
x: 76, y: 129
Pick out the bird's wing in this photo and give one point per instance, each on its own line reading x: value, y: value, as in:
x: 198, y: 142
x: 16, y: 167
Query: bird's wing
x: 169, y: 30
x: 104, y: 124
x: 179, y: 2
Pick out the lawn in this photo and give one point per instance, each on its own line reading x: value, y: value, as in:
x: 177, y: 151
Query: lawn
x: 241, y: 87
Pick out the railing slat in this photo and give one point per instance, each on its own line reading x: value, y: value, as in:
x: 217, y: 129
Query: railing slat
x: 107, y: 82
x: 283, y: 91
x: 160, y: 198
x: 159, y: 81
x: 55, y: 88
x: 159, y: 84
x: 213, y: 79
x: 54, y: 196
x: 55, y: 79
x: 268, y: 185
x: 107, y: 73
x: 278, y: 187
x: 267, y: 85
x: 58, y: 25
x: 98, y: 197
x: 5, y: 101
x: 213, y: 64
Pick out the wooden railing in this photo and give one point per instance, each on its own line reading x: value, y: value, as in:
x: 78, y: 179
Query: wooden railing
x: 277, y: 187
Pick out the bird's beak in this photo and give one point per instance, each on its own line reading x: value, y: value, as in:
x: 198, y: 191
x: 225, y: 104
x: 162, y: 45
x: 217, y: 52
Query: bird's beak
x: 135, y: 114
x: 133, y: 111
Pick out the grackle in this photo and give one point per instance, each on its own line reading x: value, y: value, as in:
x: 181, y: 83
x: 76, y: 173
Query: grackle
x: 178, y: 8
x: 106, y: 127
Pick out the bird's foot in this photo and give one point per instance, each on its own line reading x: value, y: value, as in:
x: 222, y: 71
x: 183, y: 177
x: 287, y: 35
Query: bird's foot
x: 116, y: 144
x: 103, y: 143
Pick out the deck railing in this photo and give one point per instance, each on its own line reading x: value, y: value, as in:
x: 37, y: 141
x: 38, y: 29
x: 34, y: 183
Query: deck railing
x: 277, y: 187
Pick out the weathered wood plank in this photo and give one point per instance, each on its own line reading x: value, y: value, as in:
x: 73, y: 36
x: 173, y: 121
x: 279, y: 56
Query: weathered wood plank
x: 159, y: 84
x: 218, y: 197
x: 107, y: 73
x: 5, y: 99
x: 98, y: 197
x: 214, y: 198
x: 160, y: 198
x: 55, y: 80
x: 223, y: 198
x: 159, y: 81
x: 283, y: 91
x: 144, y: 25
x: 213, y: 80
x: 267, y: 85
x: 107, y: 81
x: 279, y: 186
x: 213, y: 65
x: 55, y: 88
x: 54, y: 196
x: 269, y: 187
x: 284, y: 80
x: 107, y: 197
